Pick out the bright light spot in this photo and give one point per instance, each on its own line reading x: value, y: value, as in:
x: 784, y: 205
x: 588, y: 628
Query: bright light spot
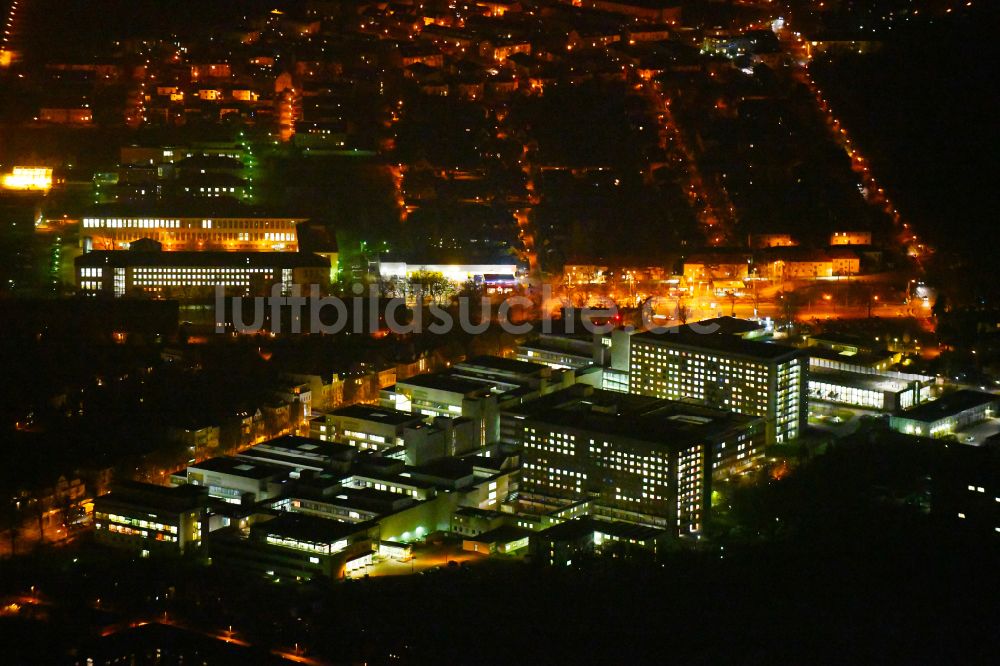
x: 28, y: 179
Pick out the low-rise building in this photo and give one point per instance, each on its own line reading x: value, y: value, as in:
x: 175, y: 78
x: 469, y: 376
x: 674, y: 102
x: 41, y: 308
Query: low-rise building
x: 503, y: 540
x: 150, y: 519
x: 457, y: 274
x: 583, y: 538
x: 946, y: 415
x: 445, y: 394
x: 471, y: 522
x: 302, y: 454
x: 294, y: 546
x: 477, y: 390
x: 715, y: 267
x: 884, y: 391
x: 762, y: 241
x: 365, y: 427
x: 562, y: 352
x: 236, y: 480
x: 851, y: 238
x: 397, y: 434
x: 793, y: 263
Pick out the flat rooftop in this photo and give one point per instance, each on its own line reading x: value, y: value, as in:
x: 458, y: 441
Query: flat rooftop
x: 377, y: 414
x: 949, y: 404
x: 446, y: 381
x: 365, y: 497
x: 502, y: 534
x: 580, y: 527
x: 238, y: 467
x: 732, y: 325
x: 866, y: 358
x: 500, y: 364
x: 710, y: 335
x: 445, y: 468
x: 637, y: 417
x: 163, y: 498
x: 857, y: 380
x: 473, y: 512
x: 546, y: 345
x: 305, y: 446
x: 836, y: 338
x: 190, y: 207
x: 402, y: 479
x: 207, y: 259
x: 304, y: 527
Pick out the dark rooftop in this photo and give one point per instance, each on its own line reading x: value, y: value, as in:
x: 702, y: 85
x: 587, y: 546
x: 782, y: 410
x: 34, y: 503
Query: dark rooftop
x: 186, y: 207
x: 580, y: 527
x: 642, y: 418
x: 711, y: 334
x: 121, y: 259
x: 165, y: 498
x: 837, y: 338
x: 502, y: 364
x: 239, y: 467
x: 445, y: 468
x: 949, y: 404
x: 308, y: 528
x: 379, y: 414
x: 446, y: 381
x: 308, y: 446
x: 502, y: 534
x: 732, y: 325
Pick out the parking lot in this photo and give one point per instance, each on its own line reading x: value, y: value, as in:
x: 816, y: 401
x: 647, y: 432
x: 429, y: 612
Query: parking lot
x: 426, y: 557
x: 976, y: 434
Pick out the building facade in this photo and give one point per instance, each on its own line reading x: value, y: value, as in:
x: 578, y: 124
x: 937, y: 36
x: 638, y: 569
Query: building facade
x: 150, y: 519
x: 698, y: 362
x: 183, y: 275
x: 246, y: 233
x: 645, y: 460
x: 948, y: 414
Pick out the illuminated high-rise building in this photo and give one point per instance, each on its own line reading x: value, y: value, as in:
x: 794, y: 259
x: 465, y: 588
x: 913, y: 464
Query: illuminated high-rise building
x: 718, y: 365
x: 641, y: 459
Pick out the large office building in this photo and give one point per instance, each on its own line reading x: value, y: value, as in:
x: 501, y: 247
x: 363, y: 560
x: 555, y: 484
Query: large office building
x: 714, y: 363
x: 146, y: 270
x: 231, y: 228
x: 645, y: 459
